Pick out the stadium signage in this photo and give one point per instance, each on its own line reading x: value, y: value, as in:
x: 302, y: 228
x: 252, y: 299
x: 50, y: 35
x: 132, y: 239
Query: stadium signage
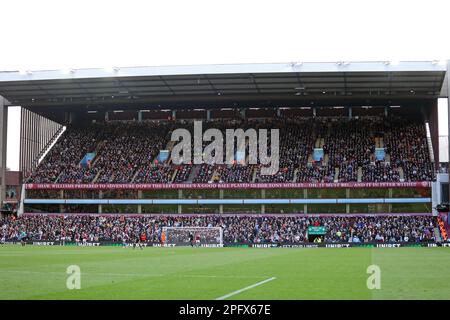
x: 337, y: 245
x: 388, y: 245
x: 264, y: 245
x: 162, y: 245
x: 247, y: 245
x: 312, y: 230
x: 88, y: 244
x: 43, y: 243
x: 159, y: 186
x: 307, y: 245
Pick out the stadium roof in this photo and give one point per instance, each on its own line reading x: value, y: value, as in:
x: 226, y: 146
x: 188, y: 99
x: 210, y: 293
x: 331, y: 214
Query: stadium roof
x: 278, y: 81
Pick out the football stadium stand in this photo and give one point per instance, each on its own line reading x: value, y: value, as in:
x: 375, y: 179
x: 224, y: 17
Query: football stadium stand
x: 126, y: 152
x: 358, y: 152
x: 236, y: 229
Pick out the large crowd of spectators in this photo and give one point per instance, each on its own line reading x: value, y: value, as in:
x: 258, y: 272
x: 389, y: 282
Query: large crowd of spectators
x: 245, y: 229
x: 406, y: 142
x: 62, y: 161
x: 349, y: 145
x: 126, y: 152
x: 380, y: 171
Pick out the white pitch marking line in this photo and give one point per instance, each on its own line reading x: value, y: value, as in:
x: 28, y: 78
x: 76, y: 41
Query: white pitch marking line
x: 245, y: 289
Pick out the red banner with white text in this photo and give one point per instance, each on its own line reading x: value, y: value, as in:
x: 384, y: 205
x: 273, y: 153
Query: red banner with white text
x: 160, y: 186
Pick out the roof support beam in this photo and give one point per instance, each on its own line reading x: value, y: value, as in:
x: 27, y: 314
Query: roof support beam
x: 448, y: 116
x: 3, y: 146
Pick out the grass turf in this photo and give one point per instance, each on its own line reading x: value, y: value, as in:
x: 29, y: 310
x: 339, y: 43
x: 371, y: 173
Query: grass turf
x: 208, y: 273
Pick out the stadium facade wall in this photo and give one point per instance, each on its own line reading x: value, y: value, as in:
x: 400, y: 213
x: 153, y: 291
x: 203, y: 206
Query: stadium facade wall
x: 234, y: 200
x: 431, y: 115
x: 36, y: 135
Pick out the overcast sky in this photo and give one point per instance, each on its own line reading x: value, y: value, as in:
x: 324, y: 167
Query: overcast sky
x: 77, y: 34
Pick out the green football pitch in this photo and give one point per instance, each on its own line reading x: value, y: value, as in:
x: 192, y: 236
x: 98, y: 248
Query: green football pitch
x: 229, y: 273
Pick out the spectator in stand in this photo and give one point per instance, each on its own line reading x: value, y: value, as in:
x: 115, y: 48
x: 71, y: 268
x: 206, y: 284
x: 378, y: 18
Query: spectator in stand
x: 126, y: 152
x: 238, y: 228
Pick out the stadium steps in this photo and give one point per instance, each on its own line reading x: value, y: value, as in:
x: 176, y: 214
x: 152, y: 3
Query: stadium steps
x: 134, y: 176
x: 255, y: 174
x: 170, y: 145
x: 98, y: 175
x: 214, y: 174
x: 97, y: 151
x: 295, y: 175
x: 56, y: 181
x: 48, y: 146
x: 360, y: 174
x: 336, y: 174
x: 316, y: 143
x: 320, y: 142
x: 174, y: 175
x: 376, y: 142
x: 325, y: 159
x: 194, y: 172
x: 401, y: 174
x: 379, y: 142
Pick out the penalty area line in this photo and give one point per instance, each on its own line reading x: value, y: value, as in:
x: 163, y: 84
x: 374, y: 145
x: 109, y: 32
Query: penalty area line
x: 245, y: 289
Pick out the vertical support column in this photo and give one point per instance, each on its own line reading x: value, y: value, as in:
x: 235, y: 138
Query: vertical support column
x: 139, y: 205
x: 180, y: 196
x: 350, y: 112
x: 21, y: 162
x: 221, y: 197
x: 139, y: 116
x: 3, y: 147
x: 263, y: 196
x: 390, y: 204
x: 174, y: 114
x: 106, y: 116
x: 208, y: 115
x: 347, y: 195
x: 386, y: 111
x: 314, y: 112
x: 448, y: 110
x: 61, y: 196
x: 100, y: 196
x: 305, y: 196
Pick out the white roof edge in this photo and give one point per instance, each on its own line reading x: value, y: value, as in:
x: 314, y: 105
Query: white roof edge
x: 444, y: 91
x: 118, y: 72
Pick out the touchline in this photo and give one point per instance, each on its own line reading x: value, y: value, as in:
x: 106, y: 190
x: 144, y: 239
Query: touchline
x: 256, y: 141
